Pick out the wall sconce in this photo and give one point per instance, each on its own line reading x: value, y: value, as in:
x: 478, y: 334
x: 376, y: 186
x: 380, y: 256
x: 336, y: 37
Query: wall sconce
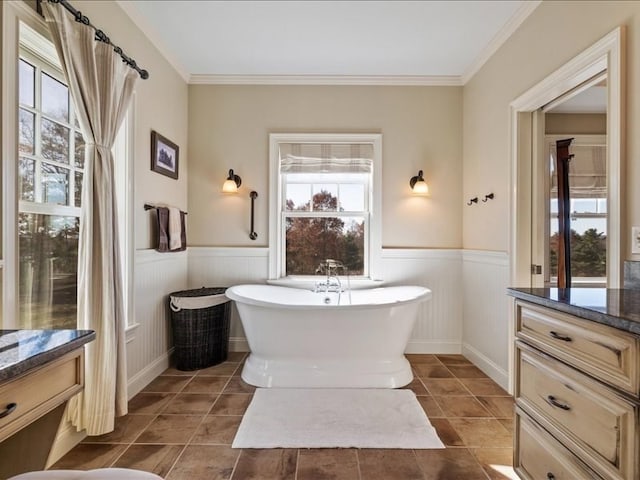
x: 418, y: 185
x: 232, y: 183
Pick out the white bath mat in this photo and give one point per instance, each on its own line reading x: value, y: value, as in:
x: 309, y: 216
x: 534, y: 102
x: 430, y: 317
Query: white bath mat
x: 335, y: 418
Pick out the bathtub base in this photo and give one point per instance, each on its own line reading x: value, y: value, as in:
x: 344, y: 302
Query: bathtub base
x: 325, y: 373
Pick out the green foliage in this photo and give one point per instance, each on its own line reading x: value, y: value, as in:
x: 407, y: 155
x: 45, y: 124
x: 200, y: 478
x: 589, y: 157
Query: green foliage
x: 588, y: 254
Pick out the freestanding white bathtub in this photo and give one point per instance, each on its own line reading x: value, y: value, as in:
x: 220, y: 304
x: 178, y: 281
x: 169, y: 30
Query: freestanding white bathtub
x: 299, y: 338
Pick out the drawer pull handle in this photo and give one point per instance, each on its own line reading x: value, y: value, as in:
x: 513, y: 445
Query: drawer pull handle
x: 552, y: 400
x: 551, y: 476
x: 8, y: 409
x: 557, y: 336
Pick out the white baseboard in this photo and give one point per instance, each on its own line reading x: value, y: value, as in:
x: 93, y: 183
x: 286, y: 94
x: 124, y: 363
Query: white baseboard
x: 146, y: 375
x: 433, y: 346
x: 238, y: 344
x: 497, y: 374
x: 66, y: 438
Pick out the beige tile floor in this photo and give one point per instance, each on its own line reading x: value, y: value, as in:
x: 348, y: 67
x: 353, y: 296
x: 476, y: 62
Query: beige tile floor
x: 182, y: 424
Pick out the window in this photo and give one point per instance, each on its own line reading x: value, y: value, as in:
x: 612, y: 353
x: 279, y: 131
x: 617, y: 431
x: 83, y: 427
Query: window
x: 325, y: 204
x: 50, y: 170
x: 588, y: 206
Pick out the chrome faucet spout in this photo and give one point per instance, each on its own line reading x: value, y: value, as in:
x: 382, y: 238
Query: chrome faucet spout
x: 332, y: 283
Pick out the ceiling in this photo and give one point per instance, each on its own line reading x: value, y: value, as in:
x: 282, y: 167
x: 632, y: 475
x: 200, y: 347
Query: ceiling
x: 591, y: 100
x: 399, y: 39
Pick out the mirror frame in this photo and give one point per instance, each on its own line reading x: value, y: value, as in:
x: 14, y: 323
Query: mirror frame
x: 606, y: 54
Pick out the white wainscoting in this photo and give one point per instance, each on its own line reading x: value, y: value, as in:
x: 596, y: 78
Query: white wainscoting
x: 439, y: 325
x: 226, y: 266
x: 149, y: 341
x: 438, y: 328
x: 485, y: 327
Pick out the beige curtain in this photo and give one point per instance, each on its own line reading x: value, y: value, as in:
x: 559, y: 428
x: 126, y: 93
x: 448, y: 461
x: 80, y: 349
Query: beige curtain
x: 101, y: 86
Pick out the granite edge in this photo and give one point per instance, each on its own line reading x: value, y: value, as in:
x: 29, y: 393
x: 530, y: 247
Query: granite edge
x: 40, y: 359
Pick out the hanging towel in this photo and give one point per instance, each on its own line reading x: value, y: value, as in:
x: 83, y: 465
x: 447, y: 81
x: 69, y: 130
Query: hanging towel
x: 183, y: 230
x: 175, y: 229
x: 163, y: 229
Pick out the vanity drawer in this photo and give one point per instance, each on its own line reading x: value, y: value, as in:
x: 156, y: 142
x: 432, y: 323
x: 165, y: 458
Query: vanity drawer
x: 590, y: 419
x: 540, y: 456
x: 603, y: 352
x: 38, y: 392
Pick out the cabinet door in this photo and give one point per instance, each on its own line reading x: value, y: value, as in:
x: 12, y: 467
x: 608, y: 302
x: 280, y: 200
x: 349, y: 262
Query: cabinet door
x: 540, y: 456
x: 588, y: 417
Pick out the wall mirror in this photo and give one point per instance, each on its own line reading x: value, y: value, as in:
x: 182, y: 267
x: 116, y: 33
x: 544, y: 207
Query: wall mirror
x: 594, y: 73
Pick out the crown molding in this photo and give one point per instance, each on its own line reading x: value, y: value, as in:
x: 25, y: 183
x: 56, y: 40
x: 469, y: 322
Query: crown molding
x: 145, y: 27
x: 360, y: 80
x: 500, y: 38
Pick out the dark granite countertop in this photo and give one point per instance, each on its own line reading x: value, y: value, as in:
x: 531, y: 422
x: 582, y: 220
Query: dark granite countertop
x: 22, y: 350
x: 618, y: 308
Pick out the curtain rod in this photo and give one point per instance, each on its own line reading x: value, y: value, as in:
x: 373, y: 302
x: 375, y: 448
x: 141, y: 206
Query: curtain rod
x: 100, y: 35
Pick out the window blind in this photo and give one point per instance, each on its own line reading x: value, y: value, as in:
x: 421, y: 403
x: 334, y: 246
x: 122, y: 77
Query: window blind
x: 326, y: 158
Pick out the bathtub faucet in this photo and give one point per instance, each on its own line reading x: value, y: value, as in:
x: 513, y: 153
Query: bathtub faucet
x: 332, y: 283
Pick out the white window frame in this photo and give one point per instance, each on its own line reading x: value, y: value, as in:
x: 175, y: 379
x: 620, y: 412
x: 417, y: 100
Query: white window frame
x: 373, y: 241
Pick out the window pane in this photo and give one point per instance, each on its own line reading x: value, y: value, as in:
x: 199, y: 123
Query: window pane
x: 27, y: 84
x: 48, y: 265
x: 26, y: 183
x: 298, y: 196
x: 309, y: 241
x: 352, y: 197
x: 27, y: 127
x: 77, y: 192
x: 325, y: 198
x: 55, y: 98
x: 55, y: 141
x: 589, y: 252
x: 55, y: 184
x: 79, y: 150
x: 588, y: 247
x: 583, y: 205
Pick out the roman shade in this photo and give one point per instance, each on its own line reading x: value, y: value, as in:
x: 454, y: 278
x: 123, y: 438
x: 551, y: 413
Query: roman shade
x: 326, y: 158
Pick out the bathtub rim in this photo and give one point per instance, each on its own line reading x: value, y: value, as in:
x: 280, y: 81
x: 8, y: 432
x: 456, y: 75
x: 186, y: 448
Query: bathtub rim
x: 232, y: 295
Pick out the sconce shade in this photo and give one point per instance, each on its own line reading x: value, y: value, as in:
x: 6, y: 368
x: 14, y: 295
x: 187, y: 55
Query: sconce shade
x: 418, y: 185
x: 232, y: 183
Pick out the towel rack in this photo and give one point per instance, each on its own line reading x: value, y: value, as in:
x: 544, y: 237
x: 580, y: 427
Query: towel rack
x: 253, y: 235
x: 148, y: 206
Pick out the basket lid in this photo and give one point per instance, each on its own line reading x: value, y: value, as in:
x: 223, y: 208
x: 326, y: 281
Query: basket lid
x: 197, y: 298
x: 199, y: 292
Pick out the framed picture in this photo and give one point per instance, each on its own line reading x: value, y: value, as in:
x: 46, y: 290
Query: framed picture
x: 164, y: 155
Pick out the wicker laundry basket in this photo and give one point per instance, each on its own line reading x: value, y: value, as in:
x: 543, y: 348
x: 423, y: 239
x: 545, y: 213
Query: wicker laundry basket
x: 200, y: 324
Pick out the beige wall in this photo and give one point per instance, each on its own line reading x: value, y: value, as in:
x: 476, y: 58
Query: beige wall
x: 575, y: 123
x: 160, y: 104
x: 421, y: 128
x: 556, y: 32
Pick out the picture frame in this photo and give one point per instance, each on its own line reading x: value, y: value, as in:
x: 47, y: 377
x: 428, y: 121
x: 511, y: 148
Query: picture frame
x: 164, y: 155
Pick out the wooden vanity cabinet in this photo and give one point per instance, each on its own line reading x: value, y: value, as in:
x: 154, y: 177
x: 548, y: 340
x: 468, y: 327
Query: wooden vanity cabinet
x: 577, y: 397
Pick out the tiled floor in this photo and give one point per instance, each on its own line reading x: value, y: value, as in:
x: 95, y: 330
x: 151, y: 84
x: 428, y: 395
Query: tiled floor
x: 182, y: 425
